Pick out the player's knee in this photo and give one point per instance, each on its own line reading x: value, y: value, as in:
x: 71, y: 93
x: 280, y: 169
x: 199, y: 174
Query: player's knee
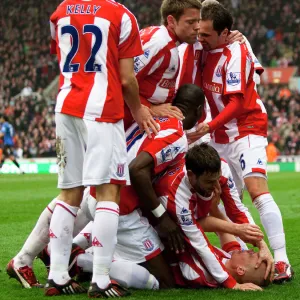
x: 256, y: 185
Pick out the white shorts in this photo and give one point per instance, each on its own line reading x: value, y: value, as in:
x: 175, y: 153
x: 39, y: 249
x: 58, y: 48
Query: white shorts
x: 245, y: 156
x: 89, y: 152
x: 137, y: 242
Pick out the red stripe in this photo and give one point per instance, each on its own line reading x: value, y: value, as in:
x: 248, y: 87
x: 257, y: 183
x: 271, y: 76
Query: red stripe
x: 109, y: 209
x: 260, y: 195
x: 153, y: 254
x: 259, y: 170
x: 118, y: 182
x: 59, y: 204
x: 50, y: 210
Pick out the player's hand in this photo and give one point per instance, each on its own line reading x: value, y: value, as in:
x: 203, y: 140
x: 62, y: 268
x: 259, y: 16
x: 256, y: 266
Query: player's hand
x: 235, y: 36
x: 202, y: 129
x: 145, y: 120
x: 247, y: 287
x: 167, y: 227
x: 166, y: 110
x: 249, y: 233
x: 266, y: 256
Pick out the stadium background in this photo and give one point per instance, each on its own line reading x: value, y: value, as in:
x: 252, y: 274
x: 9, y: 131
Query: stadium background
x: 28, y: 82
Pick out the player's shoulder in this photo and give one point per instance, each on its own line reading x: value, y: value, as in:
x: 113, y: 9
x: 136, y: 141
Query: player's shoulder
x: 156, y: 36
x: 166, y: 123
x: 236, y: 49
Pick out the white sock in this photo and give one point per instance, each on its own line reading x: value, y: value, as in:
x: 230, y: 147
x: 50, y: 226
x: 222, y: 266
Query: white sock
x: 80, y: 222
x: 104, y: 240
x: 128, y: 274
x: 84, y: 237
x: 271, y: 219
x: 131, y: 275
x: 61, y: 237
x: 37, y: 239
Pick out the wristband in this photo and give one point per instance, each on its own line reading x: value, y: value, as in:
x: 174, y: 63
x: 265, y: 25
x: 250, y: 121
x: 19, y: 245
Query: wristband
x: 158, y: 211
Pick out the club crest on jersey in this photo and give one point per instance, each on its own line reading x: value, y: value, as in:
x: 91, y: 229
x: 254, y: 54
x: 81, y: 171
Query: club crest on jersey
x: 148, y: 245
x: 219, y: 71
x: 185, y: 217
x: 233, y: 78
x: 120, y: 170
x: 147, y: 53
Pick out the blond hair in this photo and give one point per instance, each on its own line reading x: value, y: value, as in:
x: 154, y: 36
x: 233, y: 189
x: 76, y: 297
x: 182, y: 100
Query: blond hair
x: 176, y: 8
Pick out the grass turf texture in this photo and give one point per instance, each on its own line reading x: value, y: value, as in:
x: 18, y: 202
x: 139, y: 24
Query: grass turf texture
x: 23, y: 198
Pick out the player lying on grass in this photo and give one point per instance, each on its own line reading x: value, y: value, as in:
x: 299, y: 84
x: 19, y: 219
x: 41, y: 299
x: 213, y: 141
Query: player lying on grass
x: 171, y: 136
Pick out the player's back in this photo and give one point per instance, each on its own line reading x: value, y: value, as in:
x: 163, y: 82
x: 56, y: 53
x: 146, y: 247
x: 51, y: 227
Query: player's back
x: 89, y: 38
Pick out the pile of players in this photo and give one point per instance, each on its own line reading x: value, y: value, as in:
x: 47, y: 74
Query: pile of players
x: 151, y: 234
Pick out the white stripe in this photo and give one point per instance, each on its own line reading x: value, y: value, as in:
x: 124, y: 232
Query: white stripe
x: 126, y: 28
x: 97, y: 97
x: 23, y: 281
x: 64, y: 43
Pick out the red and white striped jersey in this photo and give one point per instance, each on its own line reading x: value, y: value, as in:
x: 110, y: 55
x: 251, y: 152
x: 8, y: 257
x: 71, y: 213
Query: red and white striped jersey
x: 89, y: 38
x: 185, y: 206
x: 236, y: 211
x: 156, y: 70
x: 231, y: 69
x: 167, y: 148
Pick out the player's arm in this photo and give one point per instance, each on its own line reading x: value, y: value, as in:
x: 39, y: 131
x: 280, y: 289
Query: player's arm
x: 197, y: 238
x: 141, y: 169
x: 232, y: 110
x: 140, y: 113
x: 234, y: 207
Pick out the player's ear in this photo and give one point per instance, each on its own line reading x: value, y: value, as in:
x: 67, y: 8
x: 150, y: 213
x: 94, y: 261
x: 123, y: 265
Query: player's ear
x: 171, y: 21
x: 225, y: 32
x: 192, y: 177
x: 240, y: 270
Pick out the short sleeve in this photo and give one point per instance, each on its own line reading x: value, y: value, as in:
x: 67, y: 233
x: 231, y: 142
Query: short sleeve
x: 130, y: 43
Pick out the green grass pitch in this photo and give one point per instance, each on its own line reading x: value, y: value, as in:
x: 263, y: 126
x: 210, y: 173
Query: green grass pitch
x: 22, y: 199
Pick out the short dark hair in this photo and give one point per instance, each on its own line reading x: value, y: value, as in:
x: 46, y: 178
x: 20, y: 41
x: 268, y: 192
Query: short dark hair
x: 202, y: 159
x: 176, y: 8
x: 219, y: 15
x: 189, y: 94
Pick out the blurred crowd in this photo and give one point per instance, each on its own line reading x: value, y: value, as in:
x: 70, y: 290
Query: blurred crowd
x: 27, y: 68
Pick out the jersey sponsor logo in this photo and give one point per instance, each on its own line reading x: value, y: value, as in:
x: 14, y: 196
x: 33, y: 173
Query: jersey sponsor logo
x: 96, y: 243
x: 233, y: 78
x: 219, y: 71
x: 52, y: 235
x: 169, y: 153
x: 230, y: 183
x: 149, y: 246
x: 120, y: 170
x: 138, y: 65
x: 185, y: 217
x: 147, y: 53
x: 214, y: 87
x: 167, y: 83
